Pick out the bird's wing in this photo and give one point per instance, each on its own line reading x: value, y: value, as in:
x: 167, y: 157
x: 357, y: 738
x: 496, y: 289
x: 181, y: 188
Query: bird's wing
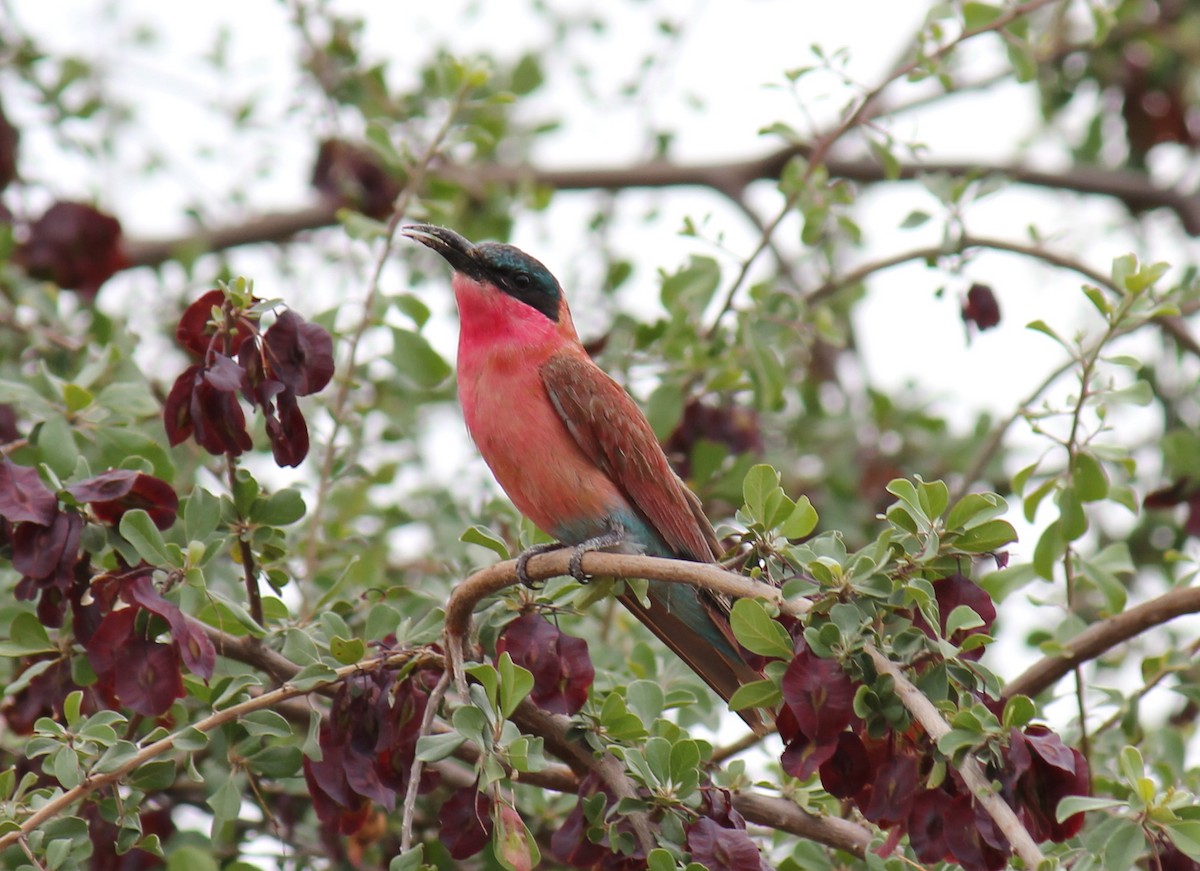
x: 615, y: 435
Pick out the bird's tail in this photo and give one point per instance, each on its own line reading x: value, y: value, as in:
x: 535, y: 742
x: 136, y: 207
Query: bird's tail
x: 698, y: 632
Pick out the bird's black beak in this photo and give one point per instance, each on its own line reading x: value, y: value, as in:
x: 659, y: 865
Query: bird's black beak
x: 456, y: 250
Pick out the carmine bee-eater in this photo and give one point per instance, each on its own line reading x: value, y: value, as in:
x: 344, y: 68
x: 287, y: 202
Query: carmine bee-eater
x: 572, y: 449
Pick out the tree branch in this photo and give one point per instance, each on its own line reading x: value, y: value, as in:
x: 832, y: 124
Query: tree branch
x: 1135, y: 189
x: 1103, y: 636
x: 931, y: 721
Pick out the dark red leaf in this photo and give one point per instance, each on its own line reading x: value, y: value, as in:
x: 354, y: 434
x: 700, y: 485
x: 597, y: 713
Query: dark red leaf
x: 964, y: 841
x: 926, y: 826
x: 1168, y: 497
x: 352, y: 175
x: 570, y: 845
x: 196, y: 329
x: 892, y: 791
x: 195, y: 648
x: 116, y: 491
x: 802, y: 758
x: 721, y: 849
x: 848, y: 770
x: 177, y: 410
x: 299, y: 353
x: 148, y: 681
x: 981, y: 307
x: 44, y: 695
x: 218, y: 422
x: 1046, y: 744
x: 74, y: 245
x: 819, y: 694
x: 288, y: 432
x: 562, y: 670
x: 106, y: 647
x: 466, y: 822
x: 10, y: 138
x: 104, y: 834
x: 23, y: 496
x: 44, y: 552
x: 735, y: 427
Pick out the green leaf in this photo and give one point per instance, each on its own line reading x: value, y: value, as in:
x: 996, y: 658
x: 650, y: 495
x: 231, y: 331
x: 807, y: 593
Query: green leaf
x: 489, y: 679
x: 138, y: 529
x: 1018, y: 711
x: 415, y: 359
x: 975, y: 509
x: 1088, y: 477
x: 190, y: 858
x: 914, y: 219
x: 1048, y: 551
x: 484, y: 537
x: 978, y: 15
x: 689, y: 291
x: 347, y: 651
x: 987, y: 537
x: 800, y: 522
x: 757, y: 631
x: 201, y: 514
x: 664, y: 409
x: 266, y: 722
x: 962, y: 617
x: 1185, y: 835
x: 26, y: 636
x: 409, y: 860
x: 1125, y: 846
x: 515, y: 684
x: 758, y: 484
x: 1070, y: 805
x: 279, y: 509
x: 756, y: 694
x: 312, y: 676
x: 646, y: 699
x: 434, y: 748
x: 56, y: 445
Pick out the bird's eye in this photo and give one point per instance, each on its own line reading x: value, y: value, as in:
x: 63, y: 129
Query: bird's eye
x: 522, y: 280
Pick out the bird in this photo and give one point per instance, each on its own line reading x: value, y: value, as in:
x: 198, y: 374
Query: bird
x: 575, y: 453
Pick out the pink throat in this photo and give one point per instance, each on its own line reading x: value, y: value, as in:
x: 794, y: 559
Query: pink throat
x: 490, y: 317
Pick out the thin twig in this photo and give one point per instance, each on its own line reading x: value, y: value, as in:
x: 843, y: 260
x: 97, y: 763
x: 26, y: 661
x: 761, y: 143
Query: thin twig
x: 414, y: 774
x: 245, y: 554
x: 346, y: 380
x: 972, y: 773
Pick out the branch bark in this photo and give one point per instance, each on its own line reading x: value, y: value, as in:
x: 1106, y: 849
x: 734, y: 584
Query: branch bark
x: 1103, y: 636
x: 1135, y: 189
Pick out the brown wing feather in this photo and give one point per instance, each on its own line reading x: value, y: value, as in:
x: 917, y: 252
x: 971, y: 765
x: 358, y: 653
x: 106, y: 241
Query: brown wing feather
x: 614, y: 433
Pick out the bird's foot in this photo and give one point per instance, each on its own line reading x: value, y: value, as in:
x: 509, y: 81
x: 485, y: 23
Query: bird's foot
x: 529, y: 553
x: 614, y: 536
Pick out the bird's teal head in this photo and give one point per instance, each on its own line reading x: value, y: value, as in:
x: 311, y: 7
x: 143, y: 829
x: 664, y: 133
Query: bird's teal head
x: 510, y: 270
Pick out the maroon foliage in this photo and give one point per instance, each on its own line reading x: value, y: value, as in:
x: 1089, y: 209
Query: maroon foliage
x: 368, y: 746
x: 132, y: 670
x: 562, y: 670
x: 955, y: 590
x: 466, y: 819
x: 352, y: 175
x: 848, y: 769
x: 269, y: 370
x: 981, y: 307
x: 114, y: 492
x: 196, y: 329
x: 892, y: 788
x: 1183, y: 492
x: 722, y: 849
x: 23, y: 496
x: 10, y: 138
x: 1045, y: 771
x: 819, y: 699
x: 46, y: 557
x: 733, y: 426
x: 299, y: 354
x: 43, y: 696
x: 74, y: 245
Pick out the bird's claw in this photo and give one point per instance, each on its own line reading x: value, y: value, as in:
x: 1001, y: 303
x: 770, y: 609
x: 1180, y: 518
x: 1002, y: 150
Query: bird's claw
x: 525, y: 556
x: 575, y: 566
